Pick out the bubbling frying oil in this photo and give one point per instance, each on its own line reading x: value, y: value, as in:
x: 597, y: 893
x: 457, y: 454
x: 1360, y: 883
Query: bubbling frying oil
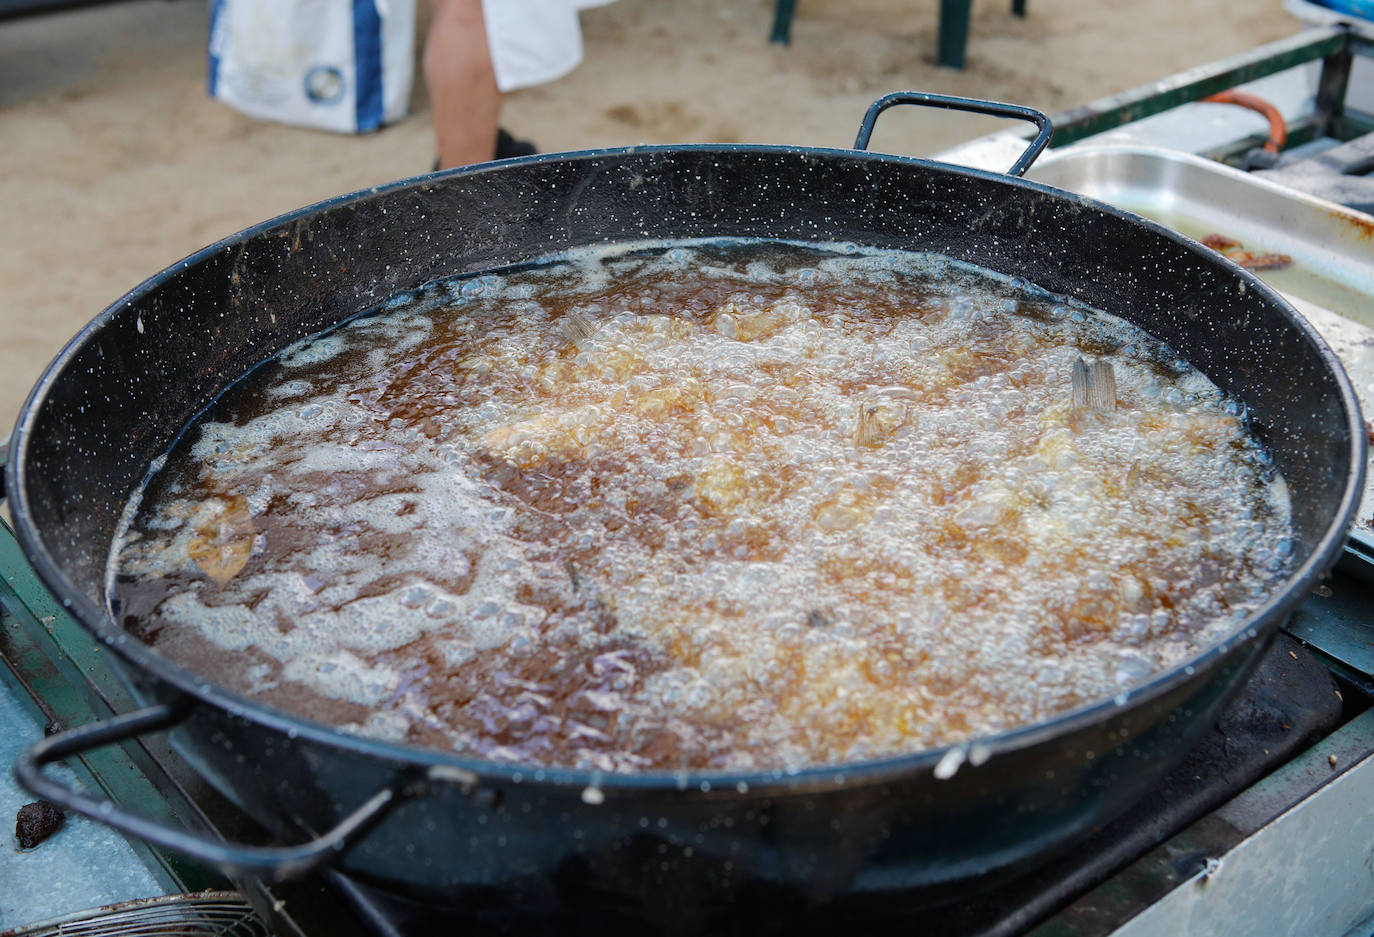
x: 715, y: 507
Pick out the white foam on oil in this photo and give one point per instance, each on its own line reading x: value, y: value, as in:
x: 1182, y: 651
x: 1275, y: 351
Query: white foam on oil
x: 850, y: 511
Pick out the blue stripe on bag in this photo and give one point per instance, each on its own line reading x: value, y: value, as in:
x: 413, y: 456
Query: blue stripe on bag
x: 212, y: 69
x: 367, y: 64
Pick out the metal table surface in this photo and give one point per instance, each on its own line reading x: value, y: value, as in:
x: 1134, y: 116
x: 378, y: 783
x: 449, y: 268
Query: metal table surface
x: 85, y: 866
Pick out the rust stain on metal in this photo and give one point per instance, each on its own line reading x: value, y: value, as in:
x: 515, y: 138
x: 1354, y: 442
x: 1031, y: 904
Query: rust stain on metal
x: 1362, y: 225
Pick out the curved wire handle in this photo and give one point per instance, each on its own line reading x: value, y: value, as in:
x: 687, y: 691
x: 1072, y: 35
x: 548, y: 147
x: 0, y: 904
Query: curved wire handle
x: 274, y: 863
x: 974, y: 105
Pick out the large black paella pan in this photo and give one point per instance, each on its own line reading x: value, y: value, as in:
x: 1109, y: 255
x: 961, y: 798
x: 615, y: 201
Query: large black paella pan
x: 669, y: 848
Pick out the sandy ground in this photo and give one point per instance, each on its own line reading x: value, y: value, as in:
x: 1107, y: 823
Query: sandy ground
x: 114, y: 163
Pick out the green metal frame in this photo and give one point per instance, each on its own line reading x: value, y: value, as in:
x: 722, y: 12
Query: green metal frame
x: 1334, y: 46
x: 1337, y: 622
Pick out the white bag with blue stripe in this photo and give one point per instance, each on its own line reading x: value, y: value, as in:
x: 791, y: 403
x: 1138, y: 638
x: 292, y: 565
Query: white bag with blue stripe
x: 342, y: 65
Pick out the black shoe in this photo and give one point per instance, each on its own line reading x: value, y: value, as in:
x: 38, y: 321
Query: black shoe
x: 507, y: 146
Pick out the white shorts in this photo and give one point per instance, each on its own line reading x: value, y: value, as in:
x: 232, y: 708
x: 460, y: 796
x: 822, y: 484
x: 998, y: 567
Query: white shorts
x: 533, y: 41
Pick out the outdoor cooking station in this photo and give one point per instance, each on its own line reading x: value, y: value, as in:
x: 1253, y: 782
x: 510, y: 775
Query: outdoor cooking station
x: 1265, y: 828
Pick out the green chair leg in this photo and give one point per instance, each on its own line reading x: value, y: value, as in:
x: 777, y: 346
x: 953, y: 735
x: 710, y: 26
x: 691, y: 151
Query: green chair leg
x: 782, y: 22
x: 954, y: 20
x: 954, y: 24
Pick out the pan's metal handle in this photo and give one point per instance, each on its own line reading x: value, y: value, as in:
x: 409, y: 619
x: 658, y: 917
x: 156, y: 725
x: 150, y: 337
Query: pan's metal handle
x: 273, y: 863
x: 975, y: 105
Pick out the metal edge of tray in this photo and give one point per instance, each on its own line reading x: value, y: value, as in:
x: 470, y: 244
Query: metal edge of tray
x: 1333, y: 243
x: 1331, y: 240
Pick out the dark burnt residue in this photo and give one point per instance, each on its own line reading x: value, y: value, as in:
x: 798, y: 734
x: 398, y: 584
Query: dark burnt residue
x: 35, y: 822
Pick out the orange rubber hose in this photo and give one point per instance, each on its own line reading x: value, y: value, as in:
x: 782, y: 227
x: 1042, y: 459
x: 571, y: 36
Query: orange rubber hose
x: 1278, y: 130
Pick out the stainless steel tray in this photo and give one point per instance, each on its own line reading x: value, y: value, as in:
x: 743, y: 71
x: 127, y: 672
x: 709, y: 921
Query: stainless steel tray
x: 1331, y: 279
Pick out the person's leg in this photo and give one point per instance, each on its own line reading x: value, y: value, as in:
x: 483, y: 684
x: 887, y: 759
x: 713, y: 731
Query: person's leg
x: 463, y: 96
